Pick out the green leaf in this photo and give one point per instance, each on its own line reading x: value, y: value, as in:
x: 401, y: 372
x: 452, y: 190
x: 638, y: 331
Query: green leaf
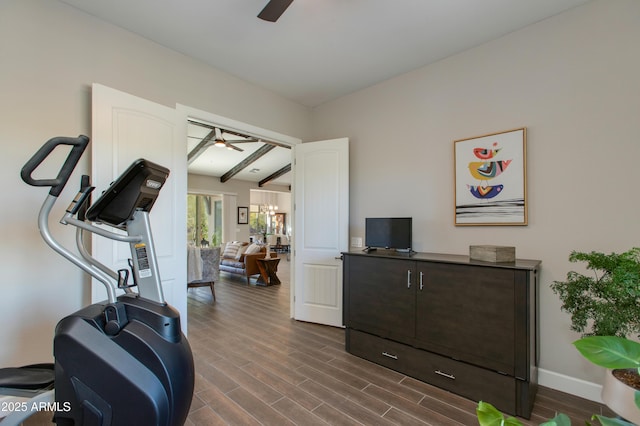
x: 488, y: 415
x: 559, y: 420
x: 610, y: 351
x: 607, y: 421
x: 605, y: 301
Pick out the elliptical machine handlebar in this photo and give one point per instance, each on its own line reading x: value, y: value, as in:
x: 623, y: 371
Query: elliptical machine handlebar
x: 79, y: 144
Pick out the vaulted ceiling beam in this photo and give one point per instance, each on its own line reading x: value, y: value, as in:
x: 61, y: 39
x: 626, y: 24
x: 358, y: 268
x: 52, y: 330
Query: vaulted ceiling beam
x: 286, y: 169
x: 246, y: 162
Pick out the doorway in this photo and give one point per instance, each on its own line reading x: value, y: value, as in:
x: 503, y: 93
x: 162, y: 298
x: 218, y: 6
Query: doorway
x: 109, y: 105
x: 232, y: 131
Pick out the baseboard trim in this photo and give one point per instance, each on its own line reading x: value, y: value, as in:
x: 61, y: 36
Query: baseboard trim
x: 568, y: 384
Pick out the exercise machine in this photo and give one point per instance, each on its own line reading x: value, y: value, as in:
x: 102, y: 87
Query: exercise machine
x: 124, y: 361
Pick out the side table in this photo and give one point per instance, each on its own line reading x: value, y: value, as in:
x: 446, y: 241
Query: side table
x: 268, y: 269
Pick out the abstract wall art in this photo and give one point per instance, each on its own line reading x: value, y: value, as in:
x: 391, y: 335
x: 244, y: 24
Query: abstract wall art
x: 490, y: 179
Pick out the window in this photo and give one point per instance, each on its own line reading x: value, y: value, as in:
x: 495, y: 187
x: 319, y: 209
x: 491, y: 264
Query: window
x: 264, y: 221
x: 257, y: 221
x: 204, y: 220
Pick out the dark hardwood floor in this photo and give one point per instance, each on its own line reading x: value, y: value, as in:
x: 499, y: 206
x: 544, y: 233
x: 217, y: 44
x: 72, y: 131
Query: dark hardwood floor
x: 256, y: 366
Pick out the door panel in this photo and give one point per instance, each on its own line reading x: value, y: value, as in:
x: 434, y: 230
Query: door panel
x: 126, y: 128
x: 382, y: 296
x: 321, y: 221
x: 449, y: 305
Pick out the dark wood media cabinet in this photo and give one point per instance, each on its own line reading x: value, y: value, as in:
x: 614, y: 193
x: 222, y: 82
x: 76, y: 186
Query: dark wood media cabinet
x: 466, y: 326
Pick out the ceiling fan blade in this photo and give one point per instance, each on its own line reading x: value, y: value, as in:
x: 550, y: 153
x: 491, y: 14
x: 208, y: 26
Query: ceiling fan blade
x: 242, y: 140
x: 234, y: 147
x: 274, y: 9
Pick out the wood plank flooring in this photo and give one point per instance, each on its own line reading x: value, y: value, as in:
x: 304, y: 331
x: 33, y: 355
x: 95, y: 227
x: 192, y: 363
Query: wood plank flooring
x: 256, y: 366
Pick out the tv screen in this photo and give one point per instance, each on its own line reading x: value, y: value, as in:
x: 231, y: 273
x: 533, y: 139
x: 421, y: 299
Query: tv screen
x: 388, y: 232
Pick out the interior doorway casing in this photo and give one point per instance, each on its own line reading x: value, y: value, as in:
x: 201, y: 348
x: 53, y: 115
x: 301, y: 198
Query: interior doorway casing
x: 184, y: 113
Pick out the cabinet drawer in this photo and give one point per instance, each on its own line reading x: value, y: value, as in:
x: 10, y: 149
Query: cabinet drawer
x: 467, y: 380
x: 388, y: 353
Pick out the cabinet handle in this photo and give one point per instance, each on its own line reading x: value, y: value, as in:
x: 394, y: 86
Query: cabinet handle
x: 421, y: 276
x: 409, y: 278
x: 388, y: 355
x: 448, y: 376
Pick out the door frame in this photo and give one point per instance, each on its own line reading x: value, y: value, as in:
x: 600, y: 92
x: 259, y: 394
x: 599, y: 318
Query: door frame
x: 185, y: 112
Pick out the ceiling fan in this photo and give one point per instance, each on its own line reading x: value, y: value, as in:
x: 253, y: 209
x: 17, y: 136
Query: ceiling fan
x: 274, y: 9
x: 221, y: 142
x: 215, y: 138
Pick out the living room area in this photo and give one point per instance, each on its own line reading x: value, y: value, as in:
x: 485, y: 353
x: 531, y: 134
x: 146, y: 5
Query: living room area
x: 219, y: 244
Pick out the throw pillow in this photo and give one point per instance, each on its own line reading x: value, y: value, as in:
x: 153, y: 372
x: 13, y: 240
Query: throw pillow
x: 253, y: 248
x: 241, y: 250
x: 231, y: 249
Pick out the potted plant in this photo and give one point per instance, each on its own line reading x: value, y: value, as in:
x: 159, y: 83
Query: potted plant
x: 621, y: 390
x: 607, y: 304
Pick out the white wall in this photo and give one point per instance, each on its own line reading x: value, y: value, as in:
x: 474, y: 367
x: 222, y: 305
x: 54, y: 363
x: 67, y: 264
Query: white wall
x: 49, y: 56
x: 572, y: 80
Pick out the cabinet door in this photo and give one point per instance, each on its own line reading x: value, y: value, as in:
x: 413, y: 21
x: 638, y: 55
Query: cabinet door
x: 467, y: 313
x: 381, y: 294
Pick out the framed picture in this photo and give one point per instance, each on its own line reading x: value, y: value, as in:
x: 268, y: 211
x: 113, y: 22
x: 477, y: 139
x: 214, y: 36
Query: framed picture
x: 243, y: 215
x: 490, y: 179
x: 277, y: 223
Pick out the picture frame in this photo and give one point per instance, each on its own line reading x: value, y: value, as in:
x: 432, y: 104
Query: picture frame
x: 278, y: 222
x: 490, y: 179
x: 243, y: 215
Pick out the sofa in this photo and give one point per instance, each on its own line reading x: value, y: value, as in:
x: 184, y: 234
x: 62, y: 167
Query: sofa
x: 240, y: 258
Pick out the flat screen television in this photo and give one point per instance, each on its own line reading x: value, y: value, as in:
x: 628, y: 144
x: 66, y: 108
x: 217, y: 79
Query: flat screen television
x: 388, y: 233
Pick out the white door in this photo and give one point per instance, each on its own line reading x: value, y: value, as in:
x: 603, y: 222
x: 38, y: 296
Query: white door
x: 321, y: 229
x: 126, y: 128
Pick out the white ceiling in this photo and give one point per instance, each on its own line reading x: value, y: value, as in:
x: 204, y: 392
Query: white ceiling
x: 319, y: 50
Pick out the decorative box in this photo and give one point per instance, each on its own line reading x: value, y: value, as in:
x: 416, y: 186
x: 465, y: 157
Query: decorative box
x: 494, y: 254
